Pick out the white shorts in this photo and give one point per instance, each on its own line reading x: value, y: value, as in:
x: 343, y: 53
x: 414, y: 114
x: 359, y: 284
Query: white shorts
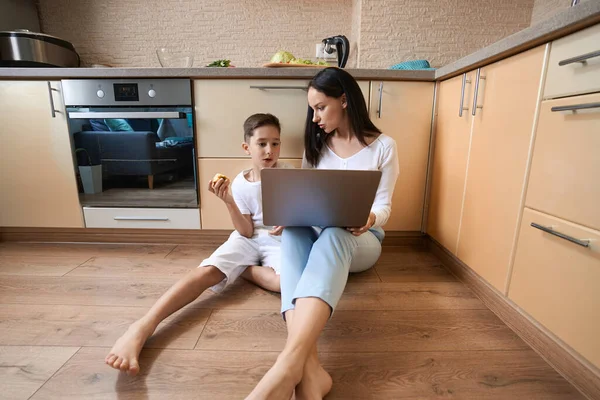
x: 238, y: 252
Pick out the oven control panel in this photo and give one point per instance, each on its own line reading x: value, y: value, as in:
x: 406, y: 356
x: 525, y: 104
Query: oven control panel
x: 138, y: 92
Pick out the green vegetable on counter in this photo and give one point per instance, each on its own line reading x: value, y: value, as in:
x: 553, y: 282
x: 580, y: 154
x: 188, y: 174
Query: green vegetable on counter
x: 282, y: 57
x: 286, y: 57
x: 220, y: 63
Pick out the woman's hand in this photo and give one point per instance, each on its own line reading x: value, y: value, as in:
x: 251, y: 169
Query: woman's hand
x: 276, y: 231
x: 363, y: 229
x: 221, y: 189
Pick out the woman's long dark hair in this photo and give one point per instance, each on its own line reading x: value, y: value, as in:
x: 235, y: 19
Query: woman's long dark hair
x: 334, y: 82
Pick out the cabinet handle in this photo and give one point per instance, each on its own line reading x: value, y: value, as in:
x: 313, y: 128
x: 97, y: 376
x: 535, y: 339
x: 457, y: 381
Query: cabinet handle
x: 279, y: 87
x: 462, y: 95
x: 380, y: 99
x: 52, y: 110
x: 580, y: 59
x: 475, y: 106
x: 582, y: 243
x: 141, y: 218
x: 576, y: 107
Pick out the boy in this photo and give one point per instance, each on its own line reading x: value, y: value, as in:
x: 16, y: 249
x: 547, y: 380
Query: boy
x: 249, y: 245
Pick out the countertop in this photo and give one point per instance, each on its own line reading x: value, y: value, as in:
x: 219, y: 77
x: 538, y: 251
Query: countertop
x: 203, y: 72
x: 568, y: 21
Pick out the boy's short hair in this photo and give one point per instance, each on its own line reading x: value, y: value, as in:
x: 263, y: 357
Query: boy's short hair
x: 256, y: 121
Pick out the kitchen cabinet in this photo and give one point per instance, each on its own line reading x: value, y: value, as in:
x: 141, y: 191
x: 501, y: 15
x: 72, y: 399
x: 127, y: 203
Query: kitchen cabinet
x: 37, y: 176
x: 564, y: 171
x: 556, y: 280
x: 214, y: 214
x: 222, y: 106
x: 500, y: 146
x: 450, y: 155
x: 142, y: 218
x: 403, y: 111
x: 574, y: 65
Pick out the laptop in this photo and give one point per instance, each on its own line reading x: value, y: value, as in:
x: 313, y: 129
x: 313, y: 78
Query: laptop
x: 317, y: 197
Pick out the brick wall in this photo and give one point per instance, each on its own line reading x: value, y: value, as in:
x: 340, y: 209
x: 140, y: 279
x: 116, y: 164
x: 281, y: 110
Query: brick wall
x: 382, y: 32
x: 440, y: 31
x: 545, y: 9
x: 248, y: 32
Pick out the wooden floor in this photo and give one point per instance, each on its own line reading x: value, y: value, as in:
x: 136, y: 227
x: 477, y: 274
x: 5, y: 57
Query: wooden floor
x: 405, y: 329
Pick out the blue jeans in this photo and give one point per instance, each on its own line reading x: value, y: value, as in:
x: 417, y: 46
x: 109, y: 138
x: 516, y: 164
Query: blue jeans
x: 317, y: 264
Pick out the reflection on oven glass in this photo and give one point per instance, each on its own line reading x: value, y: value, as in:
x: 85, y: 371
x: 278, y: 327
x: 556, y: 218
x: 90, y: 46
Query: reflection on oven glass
x: 134, y: 162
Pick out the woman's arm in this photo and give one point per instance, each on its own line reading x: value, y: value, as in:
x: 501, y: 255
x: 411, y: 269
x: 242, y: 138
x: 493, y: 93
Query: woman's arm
x: 390, y: 169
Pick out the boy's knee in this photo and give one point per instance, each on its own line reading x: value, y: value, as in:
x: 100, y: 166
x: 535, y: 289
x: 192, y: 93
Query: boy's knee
x: 275, y: 281
x: 208, y: 270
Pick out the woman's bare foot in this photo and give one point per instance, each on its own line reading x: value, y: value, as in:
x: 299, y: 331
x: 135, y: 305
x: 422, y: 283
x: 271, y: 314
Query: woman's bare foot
x: 279, y: 382
x: 316, y: 382
x: 124, y: 354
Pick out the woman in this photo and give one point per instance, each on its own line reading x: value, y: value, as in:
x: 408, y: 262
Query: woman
x: 316, y: 262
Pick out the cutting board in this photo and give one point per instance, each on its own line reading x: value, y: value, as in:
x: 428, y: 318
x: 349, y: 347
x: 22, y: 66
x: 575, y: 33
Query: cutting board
x: 284, y: 65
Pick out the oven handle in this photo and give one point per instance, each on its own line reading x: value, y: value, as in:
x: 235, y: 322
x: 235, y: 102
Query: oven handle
x: 126, y: 114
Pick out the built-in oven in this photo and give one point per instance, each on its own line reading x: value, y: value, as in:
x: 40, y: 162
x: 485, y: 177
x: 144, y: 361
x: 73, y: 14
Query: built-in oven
x: 134, y: 148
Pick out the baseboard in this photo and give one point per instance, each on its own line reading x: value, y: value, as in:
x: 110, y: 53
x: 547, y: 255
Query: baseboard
x: 110, y: 235
x: 579, y: 372
x: 162, y: 236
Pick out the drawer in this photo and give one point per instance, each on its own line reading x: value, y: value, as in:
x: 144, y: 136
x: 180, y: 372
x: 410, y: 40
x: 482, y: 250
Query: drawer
x: 557, y: 281
x: 222, y: 106
x: 564, y: 172
x: 148, y: 218
x: 574, y: 77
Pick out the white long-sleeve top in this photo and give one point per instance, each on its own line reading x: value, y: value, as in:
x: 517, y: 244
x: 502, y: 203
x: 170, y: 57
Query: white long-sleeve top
x: 381, y: 154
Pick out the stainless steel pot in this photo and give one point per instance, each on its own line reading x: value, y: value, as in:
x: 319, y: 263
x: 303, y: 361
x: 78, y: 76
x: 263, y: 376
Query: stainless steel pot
x: 23, y: 48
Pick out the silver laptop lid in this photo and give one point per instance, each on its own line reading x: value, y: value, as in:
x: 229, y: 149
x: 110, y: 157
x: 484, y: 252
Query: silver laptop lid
x: 317, y: 197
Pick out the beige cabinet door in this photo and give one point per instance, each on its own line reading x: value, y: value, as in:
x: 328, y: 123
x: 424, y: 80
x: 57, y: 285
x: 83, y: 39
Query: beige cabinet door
x: 222, y: 106
x: 450, y: 155
x: 213, y: 212
x: 498, y: 159
x: 37, y: 175
x: 556, y: 281
x: 403, y: 111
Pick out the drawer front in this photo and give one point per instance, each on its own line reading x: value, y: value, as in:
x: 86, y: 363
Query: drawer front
x: 148, y: 218
x: 556, y: 281
x: 566, y: 164
x: 574, y: 77
x: 222, y: 106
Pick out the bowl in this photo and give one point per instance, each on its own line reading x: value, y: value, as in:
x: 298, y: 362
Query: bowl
x: 171, y: 58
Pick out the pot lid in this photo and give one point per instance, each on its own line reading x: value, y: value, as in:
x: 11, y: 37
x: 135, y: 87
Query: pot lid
x: 25, y: 33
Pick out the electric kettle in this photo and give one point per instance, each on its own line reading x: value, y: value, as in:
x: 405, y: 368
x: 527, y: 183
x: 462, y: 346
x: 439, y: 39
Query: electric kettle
x: 342, y: 46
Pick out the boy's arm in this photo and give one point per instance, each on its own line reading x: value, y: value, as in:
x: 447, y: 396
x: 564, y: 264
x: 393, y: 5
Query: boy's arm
x: 242, y: 222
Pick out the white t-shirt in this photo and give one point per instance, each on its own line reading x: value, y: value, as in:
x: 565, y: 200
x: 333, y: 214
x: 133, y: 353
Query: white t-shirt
x: 381, y: 154
x: 248, y: 197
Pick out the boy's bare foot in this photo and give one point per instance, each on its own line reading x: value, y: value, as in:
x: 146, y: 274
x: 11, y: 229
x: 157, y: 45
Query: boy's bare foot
x: 279, y: 382
x: 316, y: 382
x: 124, y: 354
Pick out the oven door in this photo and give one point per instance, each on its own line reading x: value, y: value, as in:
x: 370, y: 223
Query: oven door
x: 135, y: 157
